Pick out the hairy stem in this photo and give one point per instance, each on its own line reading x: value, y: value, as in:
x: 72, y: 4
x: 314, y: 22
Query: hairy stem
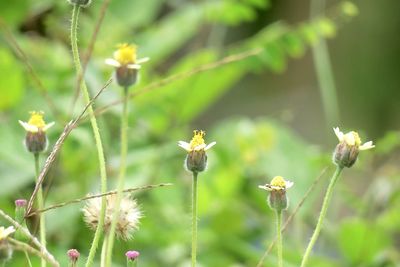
x: 121, y: 176
x: 279, y: 237
x: 194, y: 219
x: 322, y: 215
x: 40, y: 203
x: 96, y: 133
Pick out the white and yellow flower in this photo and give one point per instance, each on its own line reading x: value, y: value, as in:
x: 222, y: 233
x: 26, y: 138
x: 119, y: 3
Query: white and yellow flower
x: 196, y: 159
x: 278, y: 183
x: 197, y: 143
x: 126, y: 56
x: 352, y: 139
x: 36, y: 123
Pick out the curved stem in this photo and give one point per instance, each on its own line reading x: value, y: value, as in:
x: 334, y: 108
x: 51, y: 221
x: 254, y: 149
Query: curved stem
x: 279, y: 237
x: 96, y: 133
x: 40, y: 201
x: 194, y: 219
x: 322, y: 214
x: 121, y: 177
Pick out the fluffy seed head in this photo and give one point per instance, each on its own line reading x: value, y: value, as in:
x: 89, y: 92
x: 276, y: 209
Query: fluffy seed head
x: 128, y: 219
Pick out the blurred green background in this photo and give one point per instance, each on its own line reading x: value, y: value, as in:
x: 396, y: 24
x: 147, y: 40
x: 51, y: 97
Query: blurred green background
x: 265, y: 112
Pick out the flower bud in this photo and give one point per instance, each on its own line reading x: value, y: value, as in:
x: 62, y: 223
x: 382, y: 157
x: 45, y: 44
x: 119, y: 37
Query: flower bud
x: 73, y: 256
x: 196, y: 161
x: 132, y: 255
x: 82, y: 3
x: 126, y: 77
x: 346, y: 152
x: 277, y: 199
x: 20, y: 209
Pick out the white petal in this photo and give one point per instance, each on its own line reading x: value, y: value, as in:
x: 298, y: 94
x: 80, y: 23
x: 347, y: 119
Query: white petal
x: 113, y: 62
x: 350, y: 139
x: 142, y: 60
x: 134, y: 66
x: 28, y: 127
x: 199, y: 147
x: 210, y: 145
x: 48, y: 126
x: 338, y: 133
x: 264, y: 187
x: 288, y: 184
x: 184, y: 145
x: 366, y: 146
x: 9, y: 230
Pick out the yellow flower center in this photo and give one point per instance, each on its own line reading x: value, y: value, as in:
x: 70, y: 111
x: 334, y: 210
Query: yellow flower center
x: 352, y: 139
x: 278, y: 181
x: 198, y: 139
x: 126, y: 54
x: 36, y: 119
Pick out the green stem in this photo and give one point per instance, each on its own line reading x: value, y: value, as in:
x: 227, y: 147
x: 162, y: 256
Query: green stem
x: 28, y: 259
x: 96, y: 133
x: 279, y: 237
x: 194, y: 219
x: 130, y: 263
x: 40, y: 202
x: 104, y: 251
x: 121, y: 177
x: 322, y: 214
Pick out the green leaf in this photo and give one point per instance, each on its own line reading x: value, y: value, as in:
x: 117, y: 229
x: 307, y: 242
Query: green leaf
x: 293, y: 44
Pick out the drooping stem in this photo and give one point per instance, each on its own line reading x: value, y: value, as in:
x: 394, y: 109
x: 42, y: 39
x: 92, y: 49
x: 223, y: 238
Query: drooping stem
x: 121, y: 177
x: 96, y: 133
x: 40, y: 204
x: 322, y: 215
x: 279, y: 237
x: 194, y: 219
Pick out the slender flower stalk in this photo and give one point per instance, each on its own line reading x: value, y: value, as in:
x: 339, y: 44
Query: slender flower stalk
x: 345, y: 155
x: 278, y: 201
x: 40, y: 203
x: 279, y: 237
x: 322, y: 214
x: 194, y: 218
x: 195, y: 162
x: 96, y: 133
x: 121, y: 177
x: 104, y: 251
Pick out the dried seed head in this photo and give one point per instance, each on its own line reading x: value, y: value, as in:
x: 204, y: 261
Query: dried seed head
x: 128, y: 220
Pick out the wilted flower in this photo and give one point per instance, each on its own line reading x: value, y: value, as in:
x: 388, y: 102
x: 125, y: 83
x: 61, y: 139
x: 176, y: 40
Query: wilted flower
x: 349, y: 146
x: 127, y: 222
x: 36, y: 139
x: 126, y: 63
x: 196, y: 159
x: 277, y: 198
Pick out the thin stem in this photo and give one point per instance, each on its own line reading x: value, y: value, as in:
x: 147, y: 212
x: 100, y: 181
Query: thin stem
x: 34, y: 240
x: 121, y: 177
x: 322, y: 215
x: 40, y: 202
x: 279, y: 237
x: 324, y: 71
x: 28, y: 259
x: 104, y: 251
x: 21, y: 246
x: 131, y: 263
x: 194, y: 219
x: 96, y: 133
